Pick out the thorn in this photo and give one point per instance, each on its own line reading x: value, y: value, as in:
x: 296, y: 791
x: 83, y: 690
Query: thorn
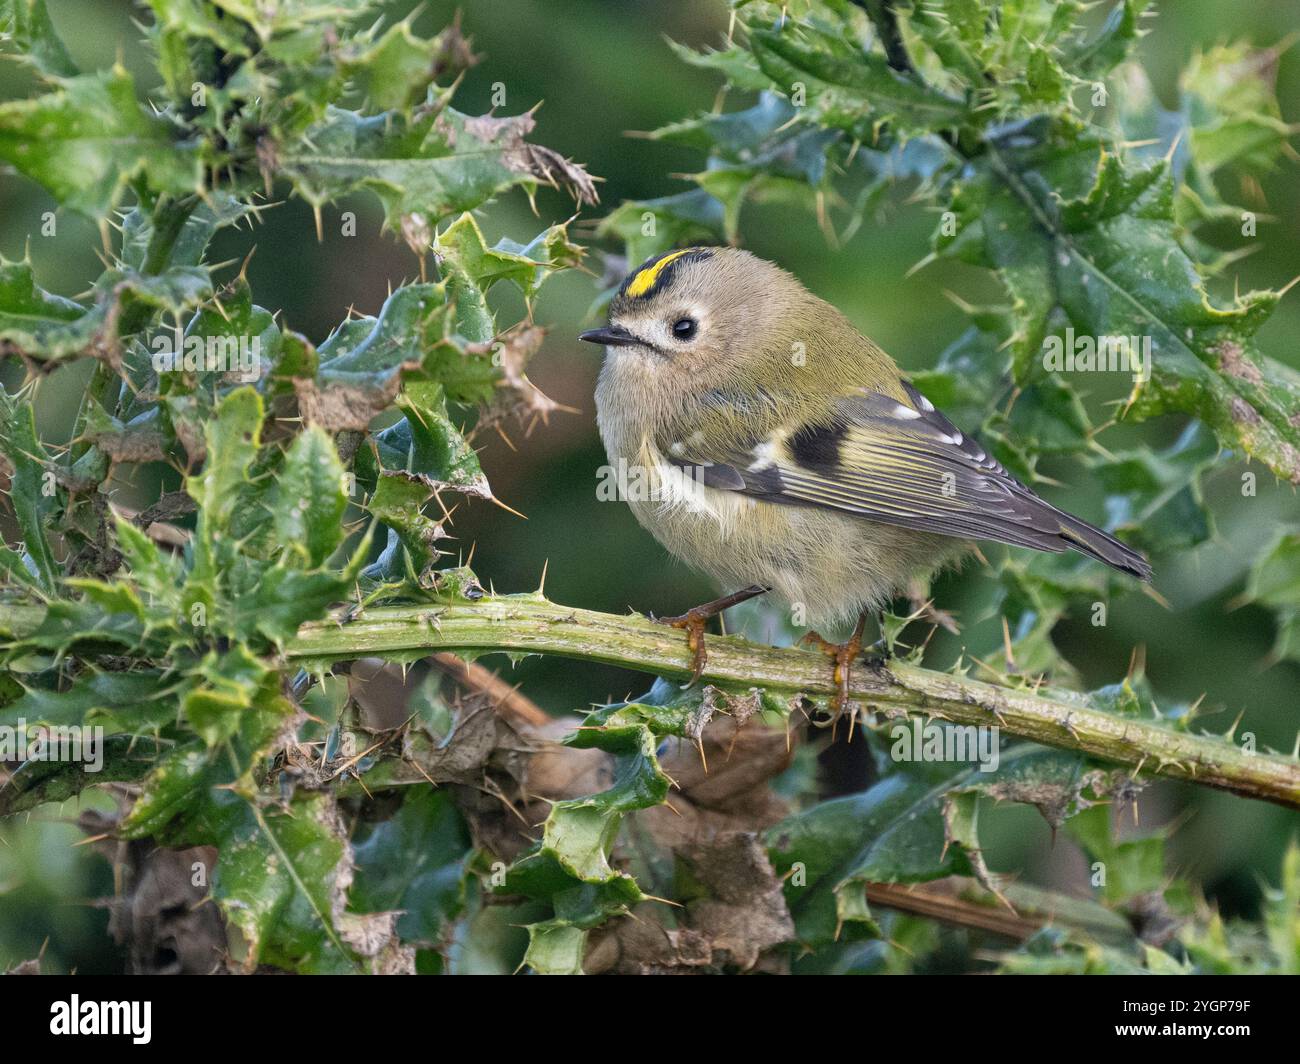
x: 1156, y: 597
x: 243, y: 267
x: 506, y: 439
x: 1233, y: 730
x: 1169, y: 155
x: 921, y: 265
x: 1137, y: 662
x: 92, y: 838
x: 666, y: 901
x: 508, y: 509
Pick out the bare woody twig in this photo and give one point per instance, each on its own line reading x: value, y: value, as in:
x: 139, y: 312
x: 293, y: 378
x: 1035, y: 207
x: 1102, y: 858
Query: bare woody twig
x: 507, y: 699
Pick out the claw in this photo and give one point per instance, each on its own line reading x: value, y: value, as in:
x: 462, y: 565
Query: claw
x: 843, y: 655
x: 693, y: 622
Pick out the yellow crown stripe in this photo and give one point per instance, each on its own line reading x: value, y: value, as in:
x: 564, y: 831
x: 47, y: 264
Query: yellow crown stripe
x: 645, y: 280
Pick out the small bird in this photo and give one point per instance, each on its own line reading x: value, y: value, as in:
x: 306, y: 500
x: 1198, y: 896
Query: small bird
x: 780, y: 450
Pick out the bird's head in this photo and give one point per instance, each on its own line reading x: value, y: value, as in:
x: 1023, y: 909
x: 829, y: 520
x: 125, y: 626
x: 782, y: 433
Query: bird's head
x: 701, y: 310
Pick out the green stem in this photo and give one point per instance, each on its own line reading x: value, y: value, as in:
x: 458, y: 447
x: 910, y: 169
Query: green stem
x: 531, y: 624
x: 169, y: 220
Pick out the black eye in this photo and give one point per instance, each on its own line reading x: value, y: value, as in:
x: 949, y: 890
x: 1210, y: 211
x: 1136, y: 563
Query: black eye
x: 684, y: 328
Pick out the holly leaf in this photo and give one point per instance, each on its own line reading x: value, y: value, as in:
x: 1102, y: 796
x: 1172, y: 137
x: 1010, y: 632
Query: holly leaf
x: 462, y: 250
x: 1101, y: 249
x: 31, y: 493
x: 310, y: 501
x: 416, y: 863
x: 37, y: 323
x: 1274, y: 581
x: 436, y: 163
x: 28, y: 26
x: 917, y: 824
x: 91, y: 136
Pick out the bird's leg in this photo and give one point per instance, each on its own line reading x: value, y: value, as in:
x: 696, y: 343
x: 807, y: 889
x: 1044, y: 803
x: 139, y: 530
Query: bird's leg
x: 694, y: 620
x: 843, y: 655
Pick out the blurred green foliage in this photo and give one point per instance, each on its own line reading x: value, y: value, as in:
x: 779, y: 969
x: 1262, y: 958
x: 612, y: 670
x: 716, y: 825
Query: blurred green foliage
x: 603, y: 70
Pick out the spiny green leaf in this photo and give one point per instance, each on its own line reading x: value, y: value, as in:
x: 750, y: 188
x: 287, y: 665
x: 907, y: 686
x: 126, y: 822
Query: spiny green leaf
x: 1112, y: 44
x: 84, y: 141
x: 437, y: 163
x: 48, y: 328
x: 27, y: 24
x: 274, y: 18
x: 1102, y: 250
x: 68, y: 622
x: 1156, y: 497
x: 156, y: 573
x: 117, y: 759
x: 425, y: 445
x: 1274, y: 581
x: 648, y: 227
x: 570, y: 866
x: 276, y: 872
x: 229, y: 687
x: 1282, y: 913
x: 1275, y: 578
x: 915, y: 825
x: 393, y: 71
x: 33, y: 503
x: 218, y: 210
x: 276, y: 601
x: 737, y: 64
x: 37, y: 323
x: 462, y: 248
x: 555, y: 948
x: 1133, y: 866
x: 416, y: 863
x: 232, y: 442
x: 360, y: 367
x: 310, y: 501
x: 133, y: 703
x: 764, y: 153
x: 1229, y: 97
x: 846, y: 88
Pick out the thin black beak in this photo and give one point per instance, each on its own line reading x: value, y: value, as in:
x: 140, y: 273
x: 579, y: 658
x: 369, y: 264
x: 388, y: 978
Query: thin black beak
x: 610, y: 335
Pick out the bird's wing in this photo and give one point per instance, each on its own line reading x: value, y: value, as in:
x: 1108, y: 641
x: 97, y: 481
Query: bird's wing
x: 900, y: 463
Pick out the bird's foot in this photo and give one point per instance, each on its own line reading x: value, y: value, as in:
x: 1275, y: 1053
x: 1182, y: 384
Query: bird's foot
x: 842, y: 656
x: 693, y: 622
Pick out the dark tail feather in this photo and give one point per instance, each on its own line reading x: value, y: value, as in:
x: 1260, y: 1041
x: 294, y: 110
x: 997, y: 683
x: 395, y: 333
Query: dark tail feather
x: 1095, y: 543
